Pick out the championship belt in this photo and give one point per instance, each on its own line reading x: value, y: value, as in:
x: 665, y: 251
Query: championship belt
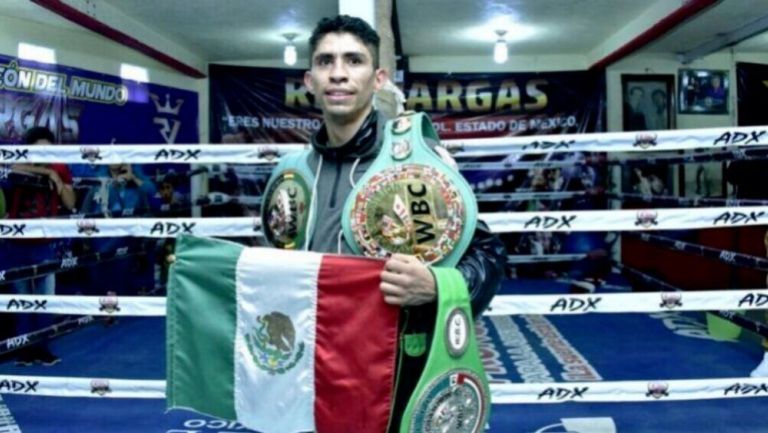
x: 287, y: 201
x: 410, y: 201
x: 452, y: 394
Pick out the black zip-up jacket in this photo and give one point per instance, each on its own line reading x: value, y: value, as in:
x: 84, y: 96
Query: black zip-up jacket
x: 483, y: 263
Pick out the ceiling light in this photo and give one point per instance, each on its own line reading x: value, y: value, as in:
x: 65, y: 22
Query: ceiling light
x: 37, y: 53
x: 133, y: 72
x: 289, y: 53
x: 500, y: 49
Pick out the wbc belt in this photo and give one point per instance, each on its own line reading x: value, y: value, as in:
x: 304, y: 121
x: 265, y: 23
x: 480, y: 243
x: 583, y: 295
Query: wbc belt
x: 285, y: 210
x: 452, y: 394
x: 410, y: 201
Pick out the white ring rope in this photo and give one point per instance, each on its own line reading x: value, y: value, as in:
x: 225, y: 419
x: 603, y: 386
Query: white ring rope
x: 506, y: 393
x: 502, y: 305
x: 710, y: 138
x: 499, y: 222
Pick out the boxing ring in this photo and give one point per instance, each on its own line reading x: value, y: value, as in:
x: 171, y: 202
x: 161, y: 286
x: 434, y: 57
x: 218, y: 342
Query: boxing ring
x: 608, y: 360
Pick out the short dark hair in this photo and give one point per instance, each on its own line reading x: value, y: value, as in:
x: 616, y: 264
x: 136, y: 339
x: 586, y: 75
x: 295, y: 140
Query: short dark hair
x: 33, y: 135
x: 346, y: 24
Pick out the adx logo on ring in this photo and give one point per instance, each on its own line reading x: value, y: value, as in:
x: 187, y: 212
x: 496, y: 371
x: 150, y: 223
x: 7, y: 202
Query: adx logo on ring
x: 754, y: 300
x: 178, y: 155
x: 547, y: 222
x: 18, y: 386
x: 561, y: 394
x: 575, y: 304
x: 740, y: 138
x: 746, y: 389
x: 24, y: 305
x: 170, y: 228
x: 738, y: 218
x: 14, y: 154
x: 12, y: 230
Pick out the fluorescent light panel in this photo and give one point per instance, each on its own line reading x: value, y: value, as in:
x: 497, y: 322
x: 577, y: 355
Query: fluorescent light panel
x: 36, y: 53
x: 133, y: 72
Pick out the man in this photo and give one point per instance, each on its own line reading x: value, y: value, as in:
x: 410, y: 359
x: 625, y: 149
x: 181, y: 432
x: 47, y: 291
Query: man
x: 343, y: 77
x: 715, y: 94
x: 658, y: 116
x: 634, y: 119
x: 33, y: 201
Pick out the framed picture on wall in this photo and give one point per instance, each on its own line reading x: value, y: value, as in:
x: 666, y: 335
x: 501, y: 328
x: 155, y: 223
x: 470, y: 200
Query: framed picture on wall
x: 703, y: 91
x: 703, y: 179
x: 648, y: 102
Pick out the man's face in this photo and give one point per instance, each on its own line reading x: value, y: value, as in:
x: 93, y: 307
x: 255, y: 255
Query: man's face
x: 659, y: 99
x: 166, y: 192
x: 342, y: 77
x: 635, y: 96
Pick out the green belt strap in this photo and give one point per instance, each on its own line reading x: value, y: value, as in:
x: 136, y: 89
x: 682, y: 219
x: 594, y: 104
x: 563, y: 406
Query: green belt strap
x: 452, y: 393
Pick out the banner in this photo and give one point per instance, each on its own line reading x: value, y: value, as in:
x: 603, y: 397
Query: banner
x: 502, y: 104
x: 260, y: 105
x: 752, y: 93
x: 85, y: 107
x: 267, y: 105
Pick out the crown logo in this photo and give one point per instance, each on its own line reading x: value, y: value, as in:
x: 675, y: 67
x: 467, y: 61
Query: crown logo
x: 166, y: 108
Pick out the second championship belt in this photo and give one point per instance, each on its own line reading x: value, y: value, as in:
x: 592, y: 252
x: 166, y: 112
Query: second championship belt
x: 287, y: 202
x: 452, y: 394
x: 410, y: 201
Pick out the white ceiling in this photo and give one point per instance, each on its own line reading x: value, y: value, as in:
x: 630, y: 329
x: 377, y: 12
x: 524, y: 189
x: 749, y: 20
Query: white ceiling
x: 27, y: 10
x: 461, y: 27
x: 219, y: 30
x: 230, y: 29
x: 727, y: 16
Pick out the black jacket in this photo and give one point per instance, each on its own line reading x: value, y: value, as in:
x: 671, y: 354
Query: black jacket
x: 483, y: 263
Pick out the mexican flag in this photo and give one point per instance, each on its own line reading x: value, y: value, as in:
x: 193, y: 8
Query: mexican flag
x: 281, y: 341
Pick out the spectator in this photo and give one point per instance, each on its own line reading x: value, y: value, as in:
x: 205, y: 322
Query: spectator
x: 29, y: 201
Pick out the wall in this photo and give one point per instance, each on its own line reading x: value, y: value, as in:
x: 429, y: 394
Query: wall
x: 667, y: 64
x: 86, y: 50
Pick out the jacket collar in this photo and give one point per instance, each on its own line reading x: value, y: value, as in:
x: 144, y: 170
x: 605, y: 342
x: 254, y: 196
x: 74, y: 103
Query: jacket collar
x: 365, y: 143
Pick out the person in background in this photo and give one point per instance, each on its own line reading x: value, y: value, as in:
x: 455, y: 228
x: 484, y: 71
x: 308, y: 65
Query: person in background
x: 657, y: 117
x: 28, y: 201
x: 634, y: 119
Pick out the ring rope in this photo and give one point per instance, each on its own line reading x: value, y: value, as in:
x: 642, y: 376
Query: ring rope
x: 499, y: 222
x: 504, y: 393
x: 711, y: 138
x: 67, y: 263
x: 730, y: 257
x: 24, y: 340
x: 545, y: 258
x: 687, y: 201
x: 502, y: 305
x: 746, y: 323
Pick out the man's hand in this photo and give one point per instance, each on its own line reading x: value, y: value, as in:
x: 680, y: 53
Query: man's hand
x: 405, y: 281
x: 56, y: 182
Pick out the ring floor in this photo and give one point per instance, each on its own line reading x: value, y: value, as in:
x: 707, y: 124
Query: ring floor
x: 609, y: 347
